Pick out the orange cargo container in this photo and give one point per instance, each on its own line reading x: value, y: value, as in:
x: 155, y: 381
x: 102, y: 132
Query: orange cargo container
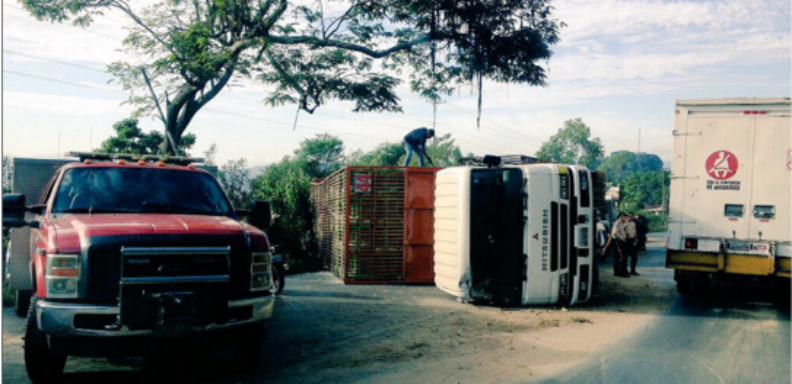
x: 374, y: 224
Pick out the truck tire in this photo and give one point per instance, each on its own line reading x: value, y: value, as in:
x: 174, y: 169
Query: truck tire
x: 22, y: 302
x: 42, y: 365
x: 684, y: 286
x: 278, y: 279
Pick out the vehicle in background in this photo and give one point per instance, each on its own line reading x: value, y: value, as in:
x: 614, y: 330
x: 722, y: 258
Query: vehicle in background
x: 516, y: 234
x: 730, y: 192
x: 129, y: 256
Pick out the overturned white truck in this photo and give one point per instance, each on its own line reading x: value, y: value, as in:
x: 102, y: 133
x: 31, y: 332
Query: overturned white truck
x: 515, y: 235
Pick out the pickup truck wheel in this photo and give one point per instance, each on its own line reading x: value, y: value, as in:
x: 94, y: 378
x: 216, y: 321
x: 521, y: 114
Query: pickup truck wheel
x: 42, y: 365
x: 278, y: 279
x: 22, y: 302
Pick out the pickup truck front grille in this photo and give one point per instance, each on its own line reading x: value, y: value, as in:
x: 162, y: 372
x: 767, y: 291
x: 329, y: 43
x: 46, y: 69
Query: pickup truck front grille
x: 163, y: 256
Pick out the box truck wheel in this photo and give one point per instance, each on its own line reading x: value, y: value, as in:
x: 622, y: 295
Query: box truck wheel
x: 684, y: 286
x: 42, y: 365
x: 22, y: 302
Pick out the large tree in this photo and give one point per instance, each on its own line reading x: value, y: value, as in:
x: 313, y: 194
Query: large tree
x: 287, y: 186
x: 572, y: 145
x: 195, y: 48
x: 623, y: 164
x: 646, y: 189
x: 442, y: 149
x: 129, y: 138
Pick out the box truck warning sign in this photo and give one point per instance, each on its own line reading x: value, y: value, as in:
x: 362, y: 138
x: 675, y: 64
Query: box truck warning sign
x: 361, y: 183
x: 721, y: 166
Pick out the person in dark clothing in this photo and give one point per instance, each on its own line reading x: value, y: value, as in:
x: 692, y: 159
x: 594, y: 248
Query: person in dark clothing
x: 642, y: 226
x: 415, y: 141
x: 632, y: 244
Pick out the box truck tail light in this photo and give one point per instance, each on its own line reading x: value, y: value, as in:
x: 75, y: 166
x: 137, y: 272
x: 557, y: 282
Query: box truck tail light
x: 754, y: 112
x: 691, y: 243
x: 260, y: 271
x: 62, y: 275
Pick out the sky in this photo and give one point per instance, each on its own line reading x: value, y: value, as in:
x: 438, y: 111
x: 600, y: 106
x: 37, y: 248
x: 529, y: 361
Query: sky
x: 620, y: 66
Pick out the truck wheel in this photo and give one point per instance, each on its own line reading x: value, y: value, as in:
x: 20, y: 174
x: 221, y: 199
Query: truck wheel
x: 42, y: 365
x: 22, y: 302
x: 684, y: 287
x: 278, y: 280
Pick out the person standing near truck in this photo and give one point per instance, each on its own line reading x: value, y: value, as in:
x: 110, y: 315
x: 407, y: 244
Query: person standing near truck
x: 415, y: 141
x: 631, y: 230
x: 623, y: 246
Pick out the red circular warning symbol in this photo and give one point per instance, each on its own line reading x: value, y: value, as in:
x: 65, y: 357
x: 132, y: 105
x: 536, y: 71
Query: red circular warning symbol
x: 721, y: 165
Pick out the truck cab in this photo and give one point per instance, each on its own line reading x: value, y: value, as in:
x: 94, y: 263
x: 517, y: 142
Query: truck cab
x: 134, y: 256
x: 515, y: 235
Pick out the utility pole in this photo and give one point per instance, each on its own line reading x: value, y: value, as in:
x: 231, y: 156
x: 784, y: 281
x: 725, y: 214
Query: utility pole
x: 59, y: 152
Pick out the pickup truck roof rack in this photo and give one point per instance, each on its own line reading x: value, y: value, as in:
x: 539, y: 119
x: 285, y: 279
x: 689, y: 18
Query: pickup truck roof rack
x: 491, y: 160
x: 98, y: 156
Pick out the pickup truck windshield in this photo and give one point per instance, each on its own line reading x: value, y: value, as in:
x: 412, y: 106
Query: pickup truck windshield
x: 139, y: 190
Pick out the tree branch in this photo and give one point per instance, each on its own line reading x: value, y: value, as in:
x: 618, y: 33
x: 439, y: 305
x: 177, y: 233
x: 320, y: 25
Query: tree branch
x: 315, y: 41
x: 125, y: 8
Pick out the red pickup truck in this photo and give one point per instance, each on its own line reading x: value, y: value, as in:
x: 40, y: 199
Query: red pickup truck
x: 134, y: 257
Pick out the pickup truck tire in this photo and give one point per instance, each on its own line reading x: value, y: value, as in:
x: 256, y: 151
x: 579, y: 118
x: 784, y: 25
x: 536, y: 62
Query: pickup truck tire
x: 278, y: 279
x: 22, y: 302
x: 42, y: 365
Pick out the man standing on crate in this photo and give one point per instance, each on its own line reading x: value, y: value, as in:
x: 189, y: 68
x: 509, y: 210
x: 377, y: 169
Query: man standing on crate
x: 415, y: 141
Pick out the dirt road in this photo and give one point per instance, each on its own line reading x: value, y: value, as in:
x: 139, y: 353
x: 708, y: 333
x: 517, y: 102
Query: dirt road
x: 326, y: 332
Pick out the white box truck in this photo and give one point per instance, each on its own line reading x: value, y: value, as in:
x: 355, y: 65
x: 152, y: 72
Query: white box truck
x: 515, y: 235
x: 730, y: 191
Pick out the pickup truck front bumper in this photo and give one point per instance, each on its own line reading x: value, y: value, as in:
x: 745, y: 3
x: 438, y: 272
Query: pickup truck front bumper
x: 57, y: 318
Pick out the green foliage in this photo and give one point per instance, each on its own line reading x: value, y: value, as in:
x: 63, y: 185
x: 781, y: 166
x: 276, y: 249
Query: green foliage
x: 442, y: 149
x: 385, y: 154
x: 8, y: 187
x: 572, y: 145
x: 130, y: 138
x: 657, y: 223
x: 236, y: 182
x: 193, y: 49
x: 8, y: 174
x: 287, y: 186
x: 640, y: 190
x: 210, y: 155
x: 622, y: 164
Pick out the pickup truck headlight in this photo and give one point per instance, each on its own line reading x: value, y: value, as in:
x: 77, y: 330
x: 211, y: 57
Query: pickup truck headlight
x: 62, y: 275
x: 261, y: 271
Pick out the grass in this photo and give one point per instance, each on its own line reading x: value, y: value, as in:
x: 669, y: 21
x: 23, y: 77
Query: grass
x: 550, y: 323
x: 581, y: 320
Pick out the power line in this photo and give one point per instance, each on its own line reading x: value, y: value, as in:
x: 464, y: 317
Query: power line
x: 82, y: 29
x: 63, y: 82
x: 54, y: 61
x: 492, y: 145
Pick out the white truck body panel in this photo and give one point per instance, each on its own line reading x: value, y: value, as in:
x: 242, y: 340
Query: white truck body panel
x: 730, y: 153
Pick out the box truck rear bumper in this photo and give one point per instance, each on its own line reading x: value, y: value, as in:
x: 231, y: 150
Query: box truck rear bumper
x: 729, y: 263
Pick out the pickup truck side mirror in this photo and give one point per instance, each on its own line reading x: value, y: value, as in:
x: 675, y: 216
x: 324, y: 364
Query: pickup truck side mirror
x: 14, y: 210
x: 260, y: 215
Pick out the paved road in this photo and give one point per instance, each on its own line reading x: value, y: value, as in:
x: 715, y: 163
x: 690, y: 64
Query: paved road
x: 735, y: 334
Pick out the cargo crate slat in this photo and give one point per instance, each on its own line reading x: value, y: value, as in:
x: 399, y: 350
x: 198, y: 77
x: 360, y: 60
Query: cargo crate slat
x: 362, y: 219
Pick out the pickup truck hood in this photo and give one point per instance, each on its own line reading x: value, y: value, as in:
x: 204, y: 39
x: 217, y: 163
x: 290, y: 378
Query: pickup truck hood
x: 72, y: 229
